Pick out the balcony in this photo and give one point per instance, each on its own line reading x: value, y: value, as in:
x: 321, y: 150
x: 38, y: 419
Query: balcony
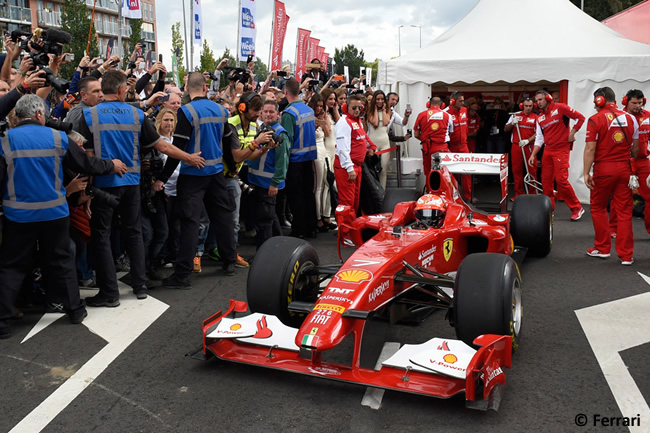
x: 149, y: 36
x: 103, y: 5
x: 48, y: 18
x: 109, y: 28
x: 16, y: 14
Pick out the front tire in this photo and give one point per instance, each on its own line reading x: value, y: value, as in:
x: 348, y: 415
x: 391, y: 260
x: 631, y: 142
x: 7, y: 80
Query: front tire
x: 531, y: 224
x: 277, y: 278
x: 487, y: 298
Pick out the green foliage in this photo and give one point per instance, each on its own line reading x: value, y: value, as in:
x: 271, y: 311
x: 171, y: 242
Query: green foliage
x: 178, y: 45
x: 601, y: 9
x: 261, y: 71
x: 232, y: 62
x: 136, y: 34
x: 207, y: 61
x: 351, y: 57
x: 76, y: 21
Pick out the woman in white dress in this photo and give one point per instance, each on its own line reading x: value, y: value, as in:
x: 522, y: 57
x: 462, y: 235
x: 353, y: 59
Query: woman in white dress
x: 332, y: 116
x: 323, y: 129
x: 378, y: 118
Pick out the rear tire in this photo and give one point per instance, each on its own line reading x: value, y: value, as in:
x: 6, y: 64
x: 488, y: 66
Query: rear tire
x: 276, y: 278
x: 531, y: 224
x: 487, y: 298
x: 397, y: 195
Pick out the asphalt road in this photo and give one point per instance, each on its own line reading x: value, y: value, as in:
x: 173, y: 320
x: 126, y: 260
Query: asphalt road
x: 144, y: 382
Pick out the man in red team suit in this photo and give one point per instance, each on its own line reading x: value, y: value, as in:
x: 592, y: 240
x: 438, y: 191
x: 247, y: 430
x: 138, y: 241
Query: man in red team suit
x: 524, y: 123
x: 458, y: 137
x: 553, y: 132
x: 473, y: 125
x: 633, y: 103
x: 433, y: 128
x: 352, y: 145
x: 610, y: 135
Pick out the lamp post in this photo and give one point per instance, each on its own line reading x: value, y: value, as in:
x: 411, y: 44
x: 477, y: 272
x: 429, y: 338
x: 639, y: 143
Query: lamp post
x: 419, y: 27
x: 399, y: 40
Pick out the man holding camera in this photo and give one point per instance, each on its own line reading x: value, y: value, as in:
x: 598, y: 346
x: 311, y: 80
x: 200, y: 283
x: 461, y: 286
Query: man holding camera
x: 115, y: 129
x: 267, y: 170
x: 36, y: 210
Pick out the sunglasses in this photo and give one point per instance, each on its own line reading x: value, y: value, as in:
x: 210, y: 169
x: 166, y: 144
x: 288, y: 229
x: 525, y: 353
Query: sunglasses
x: 358, y: 107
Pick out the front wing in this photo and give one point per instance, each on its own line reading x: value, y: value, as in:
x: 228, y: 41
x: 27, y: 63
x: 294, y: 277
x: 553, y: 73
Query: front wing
x: 264, y: 342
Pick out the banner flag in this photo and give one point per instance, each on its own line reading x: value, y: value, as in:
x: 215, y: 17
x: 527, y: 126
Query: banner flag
x: 279, y: 31
x: 131, y: 9
x: 247, y: 30
x: 302, y: 45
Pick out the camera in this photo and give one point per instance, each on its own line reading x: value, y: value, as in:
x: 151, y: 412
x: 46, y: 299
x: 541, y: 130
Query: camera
x: 245, y: 188
x: 131, y: 65
x: 59, y: 125
x: 103, y: 196
x: 213, y: 76
x: 238, y: 74
x: 281, y: 73
x: 265, y: 128
x: 52, y: 41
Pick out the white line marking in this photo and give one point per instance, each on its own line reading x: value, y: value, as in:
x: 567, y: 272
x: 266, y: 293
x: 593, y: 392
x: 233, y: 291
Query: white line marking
x: 120, y: 327
x: 627, y: 325
x: 373, y: 396
x: 45, y: 321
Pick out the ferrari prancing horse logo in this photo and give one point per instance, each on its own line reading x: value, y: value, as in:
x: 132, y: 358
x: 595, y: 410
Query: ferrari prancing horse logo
x: 447, y: 248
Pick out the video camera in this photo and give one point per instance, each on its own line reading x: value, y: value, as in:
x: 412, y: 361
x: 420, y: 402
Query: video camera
x: 38, y: 46
x: 238, y: 74
x: 265, y: 128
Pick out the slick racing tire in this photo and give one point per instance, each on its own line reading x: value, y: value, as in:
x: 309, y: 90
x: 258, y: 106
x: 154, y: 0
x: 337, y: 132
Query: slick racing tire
x: 397, y: 195
x: 531, y: 224
x: 487, y: 298
x: 277, y: 278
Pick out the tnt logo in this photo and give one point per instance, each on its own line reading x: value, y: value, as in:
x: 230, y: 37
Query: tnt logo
x: 247, y: 47
x: 247, y: 20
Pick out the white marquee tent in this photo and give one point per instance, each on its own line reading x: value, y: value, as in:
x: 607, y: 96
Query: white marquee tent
x: 556, y: 43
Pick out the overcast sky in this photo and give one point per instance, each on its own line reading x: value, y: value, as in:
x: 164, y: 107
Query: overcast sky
x: 371, y: 25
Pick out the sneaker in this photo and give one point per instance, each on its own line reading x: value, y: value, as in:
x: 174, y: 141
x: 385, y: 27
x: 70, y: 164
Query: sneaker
x: 168, y: 264
x: 90, y: 283
x: 197, y: 264
x: 140, y: 292
x: 593, y: 252
x: 100, y: 301
x: 576, y: 215
x: 213, y: 254
x: 241, y: 263
x: 229, y: 269
x: 627, y: 262
x: 123, y: 264
x: 285, y: 224
x: 53, y: 307
x: 612, y: 235
x: 172, y: 282
x: 77, y: 317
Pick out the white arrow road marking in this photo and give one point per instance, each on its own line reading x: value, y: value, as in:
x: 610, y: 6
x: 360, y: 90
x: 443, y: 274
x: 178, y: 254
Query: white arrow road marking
x: 373, y: 396
x: 120, y: 327
x: 611, y: 328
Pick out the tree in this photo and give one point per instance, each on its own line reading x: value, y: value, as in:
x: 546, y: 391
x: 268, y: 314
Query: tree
x: 351, y: 57
x: 178, y: 44
x: 75, y: 21
x: 207, y: 61
x: 260, y: 70
x: 136, y: 33
x: 601, y: 9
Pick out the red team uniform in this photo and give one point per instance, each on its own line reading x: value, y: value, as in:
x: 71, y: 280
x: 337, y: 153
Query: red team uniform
x: 352, y: 144
x: 613, y: 131
x: 527, y: 128
x: 473, y: 125
x: 642, y: 162
x: 458, y: 142
x: 435, y: 127
x: 553, y: 132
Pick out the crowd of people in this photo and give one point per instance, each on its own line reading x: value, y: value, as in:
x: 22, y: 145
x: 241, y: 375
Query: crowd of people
x: 122, y: 168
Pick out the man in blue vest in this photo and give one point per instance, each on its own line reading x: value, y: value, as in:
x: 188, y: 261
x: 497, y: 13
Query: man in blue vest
x: 115, y: 129
x: 299, y: 122
x: 36, y: 210
x: 267, y: 170
x: 202, y: 127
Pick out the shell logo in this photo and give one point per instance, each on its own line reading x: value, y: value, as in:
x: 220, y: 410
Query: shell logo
x: 355, y: 276
x: 235, y: 327
x: 618, y: 137
x: 435, y: 126
x: 450, y: 358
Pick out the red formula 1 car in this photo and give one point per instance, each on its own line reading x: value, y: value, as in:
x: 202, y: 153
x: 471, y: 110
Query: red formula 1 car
x: 410, y: 260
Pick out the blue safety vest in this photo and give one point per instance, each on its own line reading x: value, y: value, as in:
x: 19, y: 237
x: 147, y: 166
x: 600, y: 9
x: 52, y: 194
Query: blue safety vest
x: 116, y: 129
x: 33, y: 189
x: 303, y: 147
x: 262, y: 176
x: 207, y: 119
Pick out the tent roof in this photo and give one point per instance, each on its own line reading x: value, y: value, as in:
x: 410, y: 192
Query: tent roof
x: 632, y: 22
x: 559, y: 42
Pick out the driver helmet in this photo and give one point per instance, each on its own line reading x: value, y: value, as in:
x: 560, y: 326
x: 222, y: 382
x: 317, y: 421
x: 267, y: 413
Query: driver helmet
x: 430, y: 209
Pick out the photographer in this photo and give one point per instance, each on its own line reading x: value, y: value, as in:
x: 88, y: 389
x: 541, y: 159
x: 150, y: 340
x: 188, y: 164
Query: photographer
x: 36, y: 211
x: 33, y: 80
x: 267, y: 171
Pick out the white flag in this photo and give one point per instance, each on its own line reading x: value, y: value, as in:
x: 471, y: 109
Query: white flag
x: 247, y: 31
x: 197, y: 23
x: 131, y: 9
